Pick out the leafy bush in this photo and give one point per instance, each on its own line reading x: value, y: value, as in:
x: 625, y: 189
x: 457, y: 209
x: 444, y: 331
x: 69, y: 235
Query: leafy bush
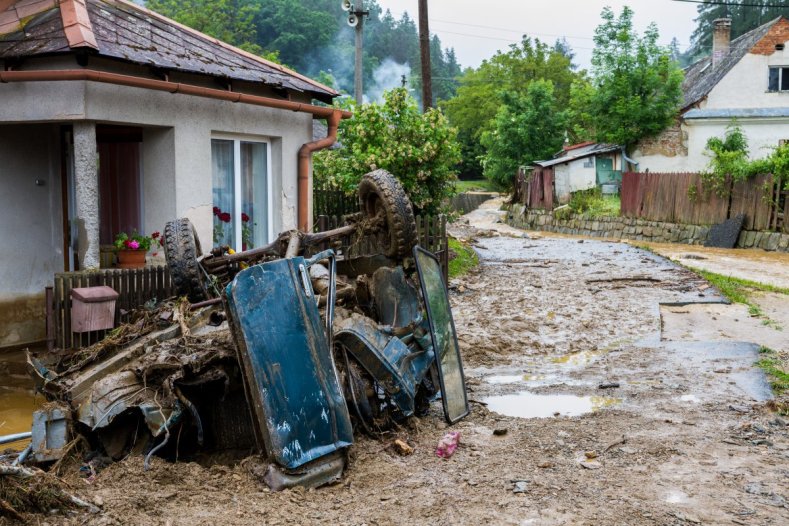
x: 420, y: 149
x: 729, y: 158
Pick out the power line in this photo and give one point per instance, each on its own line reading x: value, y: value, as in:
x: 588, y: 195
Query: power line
x: 509, y: 30
x: 731, y: 4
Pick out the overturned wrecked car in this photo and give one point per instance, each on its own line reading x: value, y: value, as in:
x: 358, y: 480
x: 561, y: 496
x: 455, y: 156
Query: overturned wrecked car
x: 284, y: 350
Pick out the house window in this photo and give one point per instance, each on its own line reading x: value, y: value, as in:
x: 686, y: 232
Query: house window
x: 242, y: 193
x: 779, y: 79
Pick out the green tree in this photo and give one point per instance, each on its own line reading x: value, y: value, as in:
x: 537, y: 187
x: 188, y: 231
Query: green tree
x: 528, y: 127
x: 420, y: 149
x: 232, y: 21
x: 638, y: 88
x: 479, y: 95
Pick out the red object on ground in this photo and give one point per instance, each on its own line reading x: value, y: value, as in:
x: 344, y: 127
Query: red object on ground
x: 448, y: 444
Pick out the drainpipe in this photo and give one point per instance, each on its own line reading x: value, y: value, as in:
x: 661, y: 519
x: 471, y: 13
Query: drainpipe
x: 628, y: 159
x: 305, y: 156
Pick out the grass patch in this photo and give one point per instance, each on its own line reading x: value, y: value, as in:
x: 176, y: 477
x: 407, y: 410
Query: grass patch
x: 739, y: 290
x: 772, y: 366
x: 481, y: 185
x: 594, y: 204
x: 464, y: 258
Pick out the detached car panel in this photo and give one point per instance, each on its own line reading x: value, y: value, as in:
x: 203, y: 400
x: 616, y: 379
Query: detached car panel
x: 297, y: 404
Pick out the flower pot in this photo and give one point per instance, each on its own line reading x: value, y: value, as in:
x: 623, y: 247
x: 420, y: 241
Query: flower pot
x: 131, y: 258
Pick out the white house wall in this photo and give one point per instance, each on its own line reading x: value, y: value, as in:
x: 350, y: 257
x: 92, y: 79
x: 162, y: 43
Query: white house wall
x: 30, y: 227
x: 176, y: 161
x: 745, y: 85
x: 572, y: 177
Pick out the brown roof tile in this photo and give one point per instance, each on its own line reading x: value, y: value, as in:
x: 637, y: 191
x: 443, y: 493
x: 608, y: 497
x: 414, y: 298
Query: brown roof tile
x: 125, y: 31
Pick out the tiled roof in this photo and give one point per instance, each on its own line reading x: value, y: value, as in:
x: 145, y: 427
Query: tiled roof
x: 701, y: 77
x: 123, y: 30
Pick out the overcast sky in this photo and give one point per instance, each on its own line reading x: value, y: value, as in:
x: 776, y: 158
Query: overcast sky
x: 457, y: 22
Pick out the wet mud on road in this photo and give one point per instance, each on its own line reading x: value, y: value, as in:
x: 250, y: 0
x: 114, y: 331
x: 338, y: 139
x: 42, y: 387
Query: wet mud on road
x: 616, y: 425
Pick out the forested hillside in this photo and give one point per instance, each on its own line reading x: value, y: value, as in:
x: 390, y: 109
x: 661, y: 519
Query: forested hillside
x: 312, y: 36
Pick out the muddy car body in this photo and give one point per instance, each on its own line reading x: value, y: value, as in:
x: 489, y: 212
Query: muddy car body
x: 302, y: 362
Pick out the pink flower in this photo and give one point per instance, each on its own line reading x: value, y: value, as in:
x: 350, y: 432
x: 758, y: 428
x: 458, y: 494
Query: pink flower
x: 134, y: 245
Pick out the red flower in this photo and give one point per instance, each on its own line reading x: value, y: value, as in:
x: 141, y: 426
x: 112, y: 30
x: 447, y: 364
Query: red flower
x: 217, y: 210
x: 244, y: 217
x: 155, y: 235
x: 224, y: 217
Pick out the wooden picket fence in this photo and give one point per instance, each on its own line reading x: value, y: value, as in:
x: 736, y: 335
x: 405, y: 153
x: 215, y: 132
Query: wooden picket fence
x: 134, y: 286
x: 431, y: 233
x: 665, y: 197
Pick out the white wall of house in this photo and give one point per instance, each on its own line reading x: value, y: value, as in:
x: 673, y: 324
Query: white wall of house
x: 30, y: 227
x: 176, y: 163
x: 744, y: 86
x: 573, y: 176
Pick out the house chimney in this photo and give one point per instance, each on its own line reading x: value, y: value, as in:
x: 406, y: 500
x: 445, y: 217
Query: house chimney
x: 721, y: 36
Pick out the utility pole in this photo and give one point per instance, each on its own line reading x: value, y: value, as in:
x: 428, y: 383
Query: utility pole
x: 356, y: 14
x: 424, y: 48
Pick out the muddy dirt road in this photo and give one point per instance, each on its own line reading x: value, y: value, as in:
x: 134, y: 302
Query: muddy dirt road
x: 614, y: 425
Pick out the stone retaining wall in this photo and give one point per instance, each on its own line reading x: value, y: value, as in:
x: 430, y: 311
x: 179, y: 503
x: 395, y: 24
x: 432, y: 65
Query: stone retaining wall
x: 636, y: 229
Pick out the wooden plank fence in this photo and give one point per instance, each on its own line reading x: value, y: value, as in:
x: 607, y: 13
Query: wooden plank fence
x: 665, y: 197
x: 134, y: 286
x: 536, y: 189
x: 330, y: 200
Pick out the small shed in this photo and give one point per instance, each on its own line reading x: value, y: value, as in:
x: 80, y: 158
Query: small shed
x: 584, y: 166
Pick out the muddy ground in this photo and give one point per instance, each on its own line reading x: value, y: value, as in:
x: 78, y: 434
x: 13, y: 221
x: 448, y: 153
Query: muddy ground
x: 687, y: 437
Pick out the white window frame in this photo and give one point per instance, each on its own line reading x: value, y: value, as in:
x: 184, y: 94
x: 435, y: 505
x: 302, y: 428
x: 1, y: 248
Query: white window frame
x: 237, y: 140
x: 780, y: 69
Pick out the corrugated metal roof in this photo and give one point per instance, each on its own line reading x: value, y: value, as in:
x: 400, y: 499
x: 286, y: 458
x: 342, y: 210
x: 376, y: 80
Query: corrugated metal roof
x: 573, y: 156
x: 125, y: 31
x: 701, y: 77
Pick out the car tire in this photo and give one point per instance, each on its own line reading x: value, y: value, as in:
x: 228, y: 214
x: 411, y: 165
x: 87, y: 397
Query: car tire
x: 380, y: 193
x: 182, y: 250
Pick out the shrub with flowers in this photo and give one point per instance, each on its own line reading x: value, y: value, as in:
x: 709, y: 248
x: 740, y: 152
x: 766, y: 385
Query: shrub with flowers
x: 136, y: 241
x: 222, y: 219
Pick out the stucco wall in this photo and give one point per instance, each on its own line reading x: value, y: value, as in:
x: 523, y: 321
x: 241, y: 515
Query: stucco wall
x: 762, y: 135
x: 191, y: 122
x: 176, y: 161
x: 30, y: 227
x: 745, y: 85
x: 573, y: 176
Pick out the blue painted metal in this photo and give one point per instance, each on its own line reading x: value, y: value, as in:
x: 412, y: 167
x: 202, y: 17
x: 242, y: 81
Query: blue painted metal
x: 298, y: 408
x: 387, y: 359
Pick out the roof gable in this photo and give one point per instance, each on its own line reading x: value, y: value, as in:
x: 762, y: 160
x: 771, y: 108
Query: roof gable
x: 122, y: 30
x: 701, y: 77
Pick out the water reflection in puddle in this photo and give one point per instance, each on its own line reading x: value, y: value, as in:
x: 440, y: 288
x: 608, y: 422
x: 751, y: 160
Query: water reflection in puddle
x: 16, y: 414
x: 676, y: 497
x: 576, y: 359
x: 531, y: 405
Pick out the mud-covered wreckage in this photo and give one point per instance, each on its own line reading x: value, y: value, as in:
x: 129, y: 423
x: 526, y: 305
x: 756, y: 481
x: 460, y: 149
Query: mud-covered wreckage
x: 282, y: 350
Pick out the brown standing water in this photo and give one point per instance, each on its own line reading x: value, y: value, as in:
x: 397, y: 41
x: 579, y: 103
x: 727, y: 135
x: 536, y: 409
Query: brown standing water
x: 17, y: 398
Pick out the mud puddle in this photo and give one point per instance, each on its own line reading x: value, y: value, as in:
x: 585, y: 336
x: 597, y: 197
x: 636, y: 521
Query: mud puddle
x: 531, y: 405
x: 17, y: 398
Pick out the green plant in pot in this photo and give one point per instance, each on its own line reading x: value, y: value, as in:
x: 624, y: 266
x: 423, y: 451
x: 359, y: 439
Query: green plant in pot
x: 132, y: 248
